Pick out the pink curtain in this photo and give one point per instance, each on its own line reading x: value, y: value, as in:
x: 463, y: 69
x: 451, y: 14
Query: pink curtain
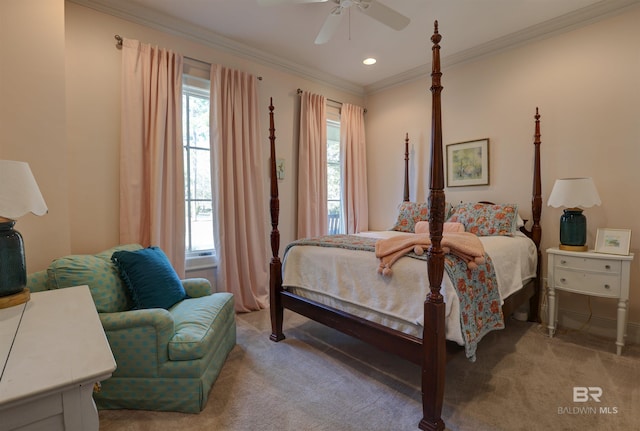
x: 152, y: 208
x: 312, y: 166
x: 354, y: 168
x: 239, y: 200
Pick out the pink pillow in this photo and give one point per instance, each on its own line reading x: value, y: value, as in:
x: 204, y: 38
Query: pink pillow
x: 448, y: 226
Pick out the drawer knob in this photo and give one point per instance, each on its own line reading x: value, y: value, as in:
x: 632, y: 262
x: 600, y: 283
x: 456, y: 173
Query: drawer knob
x: 564, y: 262
x: 607, y: 267
x: 563, y: 280
x: 606, y: 286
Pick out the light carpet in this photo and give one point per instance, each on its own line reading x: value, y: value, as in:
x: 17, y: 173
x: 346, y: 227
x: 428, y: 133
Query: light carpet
x: 320, y: 380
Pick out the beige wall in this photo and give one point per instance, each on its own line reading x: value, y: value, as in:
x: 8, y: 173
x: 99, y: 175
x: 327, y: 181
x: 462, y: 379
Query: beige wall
x: 32, y: 117
x: 585, y: 83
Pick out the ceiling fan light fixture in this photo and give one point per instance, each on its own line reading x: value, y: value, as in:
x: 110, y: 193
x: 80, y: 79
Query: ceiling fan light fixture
x: 369, y: 61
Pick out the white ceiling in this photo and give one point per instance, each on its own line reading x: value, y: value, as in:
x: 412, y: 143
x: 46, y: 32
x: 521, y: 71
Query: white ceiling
x: 284, y: 35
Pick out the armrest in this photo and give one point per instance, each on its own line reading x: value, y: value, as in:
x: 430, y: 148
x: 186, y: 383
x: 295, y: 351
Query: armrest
x: 158, y: 318
x: 138, y: 340
x: 197, y: 287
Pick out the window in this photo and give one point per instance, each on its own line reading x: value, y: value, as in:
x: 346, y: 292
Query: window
x: 334, y: 177
x: 199, y: 242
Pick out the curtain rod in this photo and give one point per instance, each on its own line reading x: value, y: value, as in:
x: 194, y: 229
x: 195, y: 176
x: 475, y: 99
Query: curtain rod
x: 119, y: 46
x: 299, y: 92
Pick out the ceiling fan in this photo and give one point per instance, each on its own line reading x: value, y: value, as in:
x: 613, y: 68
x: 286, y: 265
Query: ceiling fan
x: 372, y: 8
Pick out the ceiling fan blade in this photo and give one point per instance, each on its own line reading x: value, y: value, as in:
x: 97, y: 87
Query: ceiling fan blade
x: 330, y: 26
x: 384, y: 14
x: 278, y: 2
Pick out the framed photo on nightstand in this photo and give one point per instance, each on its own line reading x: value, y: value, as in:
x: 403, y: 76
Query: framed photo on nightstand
x: 613, y: 241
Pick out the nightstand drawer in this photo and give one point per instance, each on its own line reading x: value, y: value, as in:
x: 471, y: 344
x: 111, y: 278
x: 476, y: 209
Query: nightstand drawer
x: 609, y: 266
x: 588, y: 283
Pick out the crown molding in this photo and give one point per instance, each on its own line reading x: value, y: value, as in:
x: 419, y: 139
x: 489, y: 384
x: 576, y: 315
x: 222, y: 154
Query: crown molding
x: 159, y: 21
x: 572, y: 20
x: 564, y: 23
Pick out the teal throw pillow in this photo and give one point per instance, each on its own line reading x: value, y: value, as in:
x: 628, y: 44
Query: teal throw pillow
x: 150, y: 278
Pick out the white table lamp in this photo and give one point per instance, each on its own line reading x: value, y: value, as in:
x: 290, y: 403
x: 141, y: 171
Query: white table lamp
x: 573, y: 194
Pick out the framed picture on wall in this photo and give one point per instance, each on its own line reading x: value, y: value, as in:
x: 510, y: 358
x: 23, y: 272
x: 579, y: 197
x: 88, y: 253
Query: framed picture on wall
x: 613, y: 241
x: 468, y: 163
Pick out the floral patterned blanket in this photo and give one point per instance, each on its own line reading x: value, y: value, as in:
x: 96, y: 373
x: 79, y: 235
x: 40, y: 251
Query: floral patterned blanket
x: 477, y: 288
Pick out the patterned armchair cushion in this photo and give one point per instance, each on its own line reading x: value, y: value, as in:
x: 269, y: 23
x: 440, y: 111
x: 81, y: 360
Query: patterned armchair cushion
x: 107, y: 290
x: 150, y: 278
x: 197, y: 322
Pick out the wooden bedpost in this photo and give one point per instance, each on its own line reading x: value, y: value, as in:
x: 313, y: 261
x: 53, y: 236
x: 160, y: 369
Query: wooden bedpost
x: 406, y: 168
x: 275, y: 266
x: 434, y: 353
x: 536, y: 230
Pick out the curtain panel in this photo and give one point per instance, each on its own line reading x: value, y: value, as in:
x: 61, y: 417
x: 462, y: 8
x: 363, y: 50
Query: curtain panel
x: 355, y: 202
x: 312, y: 166
x: 152, y: 208
x: 239, y: 197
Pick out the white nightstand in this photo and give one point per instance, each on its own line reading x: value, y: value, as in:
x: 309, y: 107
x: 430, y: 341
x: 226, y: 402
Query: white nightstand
x: 589, y: 273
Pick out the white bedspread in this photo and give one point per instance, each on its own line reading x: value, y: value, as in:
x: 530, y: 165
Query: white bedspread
x: 348, y: 280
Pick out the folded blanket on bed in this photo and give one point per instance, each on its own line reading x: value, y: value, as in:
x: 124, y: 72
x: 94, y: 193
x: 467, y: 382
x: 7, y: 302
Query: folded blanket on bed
x: 448, y: 226
x: 465, y: 245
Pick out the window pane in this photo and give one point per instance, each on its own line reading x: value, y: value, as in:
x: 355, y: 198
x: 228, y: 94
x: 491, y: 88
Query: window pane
x: 198, y: 121
x: 333, y: 181
x: 201, y: 222
x: 200, y: 174
x: 199, y: 216
x: 334, y: 178
x: 333, y: 151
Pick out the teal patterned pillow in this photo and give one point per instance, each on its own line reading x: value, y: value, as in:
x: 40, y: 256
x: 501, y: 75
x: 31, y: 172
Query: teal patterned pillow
x: 150, y: 278
x: 409, y: 213
x: 107, y: 290
x: 486, y: 219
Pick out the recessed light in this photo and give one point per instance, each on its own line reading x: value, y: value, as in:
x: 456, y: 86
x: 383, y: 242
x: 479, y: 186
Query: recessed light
x: 369, y: 61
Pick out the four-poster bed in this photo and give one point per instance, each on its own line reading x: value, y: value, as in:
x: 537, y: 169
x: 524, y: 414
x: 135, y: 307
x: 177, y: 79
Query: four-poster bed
x: 429, y: 349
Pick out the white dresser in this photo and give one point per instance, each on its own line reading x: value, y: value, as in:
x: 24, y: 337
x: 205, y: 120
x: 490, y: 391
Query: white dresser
x: 589, y: 273
x: 52, y: 351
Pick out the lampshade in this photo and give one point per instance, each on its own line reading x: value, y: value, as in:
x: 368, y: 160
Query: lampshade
x: 574, y: 194
x: 19, y: 194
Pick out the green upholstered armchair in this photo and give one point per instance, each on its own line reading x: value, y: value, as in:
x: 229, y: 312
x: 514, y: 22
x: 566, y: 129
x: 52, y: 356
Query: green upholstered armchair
x: 167, y: 359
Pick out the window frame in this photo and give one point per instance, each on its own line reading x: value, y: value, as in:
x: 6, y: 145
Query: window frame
x: 206, y: 258
x: 333, y: 120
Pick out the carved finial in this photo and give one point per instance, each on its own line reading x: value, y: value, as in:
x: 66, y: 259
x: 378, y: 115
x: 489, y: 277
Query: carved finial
x: 436, y: 38
x: 537, y: 116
